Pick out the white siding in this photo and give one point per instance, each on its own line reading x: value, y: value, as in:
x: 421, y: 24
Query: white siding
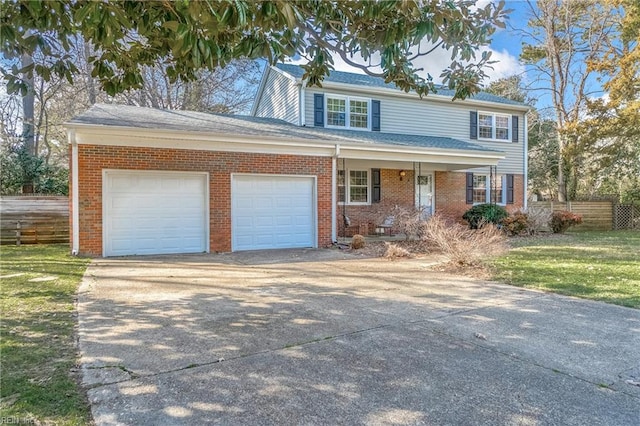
x: 435, y: 118
x: 279, y: 98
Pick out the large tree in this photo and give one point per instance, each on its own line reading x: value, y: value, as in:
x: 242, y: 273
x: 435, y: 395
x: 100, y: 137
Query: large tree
x: 188, y: 36
x: 563, y: 38
x: 542, y: 138
x: 614, y: 120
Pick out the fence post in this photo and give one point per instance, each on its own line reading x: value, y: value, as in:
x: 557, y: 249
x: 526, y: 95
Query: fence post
x: 18, y: 233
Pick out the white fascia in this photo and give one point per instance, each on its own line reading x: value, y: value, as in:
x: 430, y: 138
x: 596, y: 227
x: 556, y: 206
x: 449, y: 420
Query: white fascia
x: 263, y: 82
x: 173, y: 139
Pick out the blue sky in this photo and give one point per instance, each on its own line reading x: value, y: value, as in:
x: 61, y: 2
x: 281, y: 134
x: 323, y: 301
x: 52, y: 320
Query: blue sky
x: 505, y: 48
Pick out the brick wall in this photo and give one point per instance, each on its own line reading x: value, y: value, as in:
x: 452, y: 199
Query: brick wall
x: 450, y: 199
x: 394, y: 192
x: 92, y: 159
x: 450, y: 188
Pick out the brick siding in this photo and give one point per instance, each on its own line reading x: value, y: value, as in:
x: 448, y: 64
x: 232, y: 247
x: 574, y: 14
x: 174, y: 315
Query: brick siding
x: 92, y: 159
x: 450, y: 200
x: 394, y: 192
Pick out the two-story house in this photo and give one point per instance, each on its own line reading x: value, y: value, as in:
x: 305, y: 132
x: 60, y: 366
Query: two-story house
x: 444, y: 179
x: 146, y: 181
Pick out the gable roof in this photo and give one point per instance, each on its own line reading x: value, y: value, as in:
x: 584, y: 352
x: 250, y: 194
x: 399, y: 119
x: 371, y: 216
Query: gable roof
x: 364, y: 80
x: 122, y: 116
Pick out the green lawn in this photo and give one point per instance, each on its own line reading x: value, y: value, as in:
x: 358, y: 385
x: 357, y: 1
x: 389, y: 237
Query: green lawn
x: 593, y: 265
x: 37, y: 337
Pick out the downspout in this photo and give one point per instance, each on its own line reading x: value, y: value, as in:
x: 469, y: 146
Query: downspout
x: 334, y: 195
x: 302, y: 120
x: 525, y: 179
x: 75, y: 203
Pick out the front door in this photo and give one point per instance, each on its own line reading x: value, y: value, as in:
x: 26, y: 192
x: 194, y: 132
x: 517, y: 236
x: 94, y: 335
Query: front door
x: 424, y: 193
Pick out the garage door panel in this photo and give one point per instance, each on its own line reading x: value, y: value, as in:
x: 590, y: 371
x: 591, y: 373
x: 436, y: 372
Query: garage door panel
x: 154, y: 212
x: 271, y: 211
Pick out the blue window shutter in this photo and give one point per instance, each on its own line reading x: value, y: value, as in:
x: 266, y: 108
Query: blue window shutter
x: 375, y: 116
x: 469, y: 188
x: 318, y: 110
x: 514, y: 128
x: 376, y: 192
x: 510, y: 186
x: 473, y: 124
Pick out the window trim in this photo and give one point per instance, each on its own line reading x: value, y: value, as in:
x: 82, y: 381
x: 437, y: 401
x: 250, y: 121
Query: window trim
x: 348, y: 188
x: 347, y: 118
x: 494, y: 126
x: 489, y: 189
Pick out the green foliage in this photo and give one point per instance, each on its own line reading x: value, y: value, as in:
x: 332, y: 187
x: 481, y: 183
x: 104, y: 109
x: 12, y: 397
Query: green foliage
x: 562, y: 220
x: 481, y: 214
x: 19, y: 167
x: 189, y: 36
x: 516, y: 223
x: 599, y: 265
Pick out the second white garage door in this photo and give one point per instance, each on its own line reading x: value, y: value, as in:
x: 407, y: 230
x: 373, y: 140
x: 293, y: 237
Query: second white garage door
x: 270, y: 211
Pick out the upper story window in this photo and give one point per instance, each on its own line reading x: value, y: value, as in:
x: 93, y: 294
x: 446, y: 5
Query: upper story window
x: 494, y: 126
x: 347, y: 112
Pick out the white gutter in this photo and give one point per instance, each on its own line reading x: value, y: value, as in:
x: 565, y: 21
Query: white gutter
x: 163, y: 138
x: 526, y: 162
x: 75, y: 204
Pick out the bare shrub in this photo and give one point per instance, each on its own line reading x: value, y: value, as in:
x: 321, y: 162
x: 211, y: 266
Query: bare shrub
x: 538, y: 219
x: 393, y: 250
x: 461, y: 245
x: 357, y: 242
x: 408, y: 221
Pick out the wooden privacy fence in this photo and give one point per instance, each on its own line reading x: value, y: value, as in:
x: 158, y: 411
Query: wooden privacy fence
x: 596, y: 215
x: 34, y: 220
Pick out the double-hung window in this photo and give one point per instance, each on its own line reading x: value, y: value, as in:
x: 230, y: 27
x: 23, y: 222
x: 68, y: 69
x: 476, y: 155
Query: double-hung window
x: 355, y: 190
x: 480, y: 189
x: 487, y: 190
x: 347, y: 112
x: 493, y: 126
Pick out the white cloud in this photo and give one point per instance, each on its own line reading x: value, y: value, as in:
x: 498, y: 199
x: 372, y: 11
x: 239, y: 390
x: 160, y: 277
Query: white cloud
x: 435, y: 62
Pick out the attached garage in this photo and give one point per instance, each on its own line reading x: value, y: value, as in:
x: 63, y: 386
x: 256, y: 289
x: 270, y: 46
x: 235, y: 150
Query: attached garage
x: 273, y: 211
x: 154, y: 212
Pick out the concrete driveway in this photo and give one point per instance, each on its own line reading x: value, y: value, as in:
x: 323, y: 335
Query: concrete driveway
x: 323, y: 337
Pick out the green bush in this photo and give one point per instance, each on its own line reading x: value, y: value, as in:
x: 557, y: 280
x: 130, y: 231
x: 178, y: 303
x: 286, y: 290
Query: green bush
x: 563, y: 220
x: 480, y: 214
x: 516, y: 223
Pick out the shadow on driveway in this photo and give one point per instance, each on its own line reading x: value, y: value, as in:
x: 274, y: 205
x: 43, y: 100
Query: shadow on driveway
x: 328, y: 338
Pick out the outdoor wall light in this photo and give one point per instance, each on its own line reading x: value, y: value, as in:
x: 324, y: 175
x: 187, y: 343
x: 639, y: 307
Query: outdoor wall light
x: 402, y: 174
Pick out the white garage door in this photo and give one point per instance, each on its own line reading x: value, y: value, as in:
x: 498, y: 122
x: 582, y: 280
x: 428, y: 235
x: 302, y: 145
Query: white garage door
x: 154, y: 212
x: 272, y: 212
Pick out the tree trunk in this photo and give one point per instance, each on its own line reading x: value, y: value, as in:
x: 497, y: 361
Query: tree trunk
x: 28, y: 103
x: 91, y: 86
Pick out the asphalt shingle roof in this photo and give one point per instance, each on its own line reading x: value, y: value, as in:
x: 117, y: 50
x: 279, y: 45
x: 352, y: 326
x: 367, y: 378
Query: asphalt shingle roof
x: 248, y: 126
x: 369, y: 81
